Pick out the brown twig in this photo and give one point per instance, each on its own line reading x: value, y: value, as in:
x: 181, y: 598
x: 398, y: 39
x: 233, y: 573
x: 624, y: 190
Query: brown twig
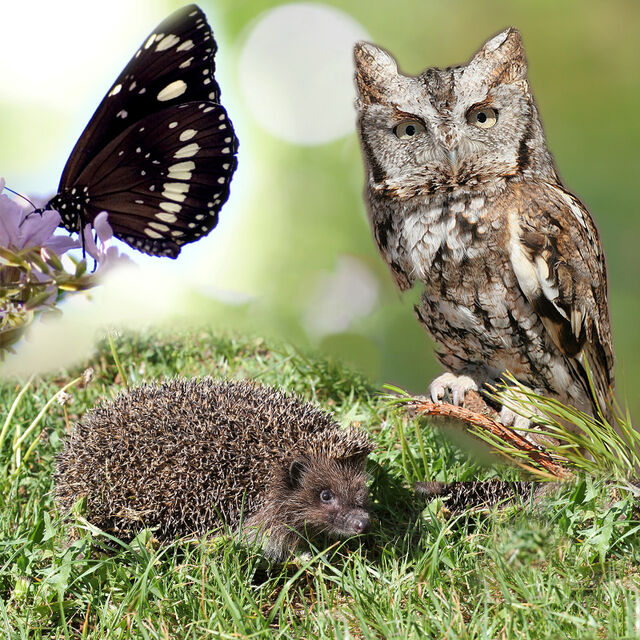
x: 480, y: 417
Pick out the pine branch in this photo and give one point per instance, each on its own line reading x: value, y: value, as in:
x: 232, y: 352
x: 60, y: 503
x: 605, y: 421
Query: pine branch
x: 483, y: 421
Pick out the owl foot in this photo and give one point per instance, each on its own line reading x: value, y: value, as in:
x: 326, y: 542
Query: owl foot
x: 511, y: 419
x: 454, y: 386
x: 523, y: 426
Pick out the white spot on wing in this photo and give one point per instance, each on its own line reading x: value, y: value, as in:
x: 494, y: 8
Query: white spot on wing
x: 181, y: 170
x: 172, y: 90
x: 166, y: 217
x: 115, y: 90
x: 185, y: 46
x: 175, y: 191
x: 187, y: 134
x: 171, y: 207
x: 176, y: 187
x: 152, y: 234
x: 167, y: 42
x: 185, y: 64
x: 187, y: 151
x: 159, y: 226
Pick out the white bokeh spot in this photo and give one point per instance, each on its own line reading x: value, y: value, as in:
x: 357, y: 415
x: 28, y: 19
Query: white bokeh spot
x: 349, y: 293
x: 296, y: 72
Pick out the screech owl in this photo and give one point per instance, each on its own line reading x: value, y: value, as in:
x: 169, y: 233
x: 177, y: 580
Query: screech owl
x: 464, y: 196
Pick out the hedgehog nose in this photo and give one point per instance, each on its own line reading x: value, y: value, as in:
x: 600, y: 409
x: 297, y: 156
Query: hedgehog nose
x: 361, y: 523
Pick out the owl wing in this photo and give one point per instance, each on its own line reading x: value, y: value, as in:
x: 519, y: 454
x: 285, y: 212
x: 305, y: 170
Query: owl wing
x: 556, y: 254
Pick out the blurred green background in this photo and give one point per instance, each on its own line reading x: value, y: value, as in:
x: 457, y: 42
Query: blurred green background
x: 294, y: 237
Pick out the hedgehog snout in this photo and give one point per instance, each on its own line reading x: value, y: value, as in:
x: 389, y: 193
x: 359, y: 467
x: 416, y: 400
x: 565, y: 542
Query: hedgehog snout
x: 355, y: 521
x: 360, y: 522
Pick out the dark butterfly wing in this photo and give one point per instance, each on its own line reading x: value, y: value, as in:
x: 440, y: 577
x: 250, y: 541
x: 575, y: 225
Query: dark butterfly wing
x: 179, y: 53
x: 164, y: 179
x: 173, y: 67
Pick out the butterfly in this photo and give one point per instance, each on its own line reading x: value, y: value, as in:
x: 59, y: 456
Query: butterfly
x: 159, y: 152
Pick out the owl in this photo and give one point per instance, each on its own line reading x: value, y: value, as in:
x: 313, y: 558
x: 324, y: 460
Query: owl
x: 464, y: 197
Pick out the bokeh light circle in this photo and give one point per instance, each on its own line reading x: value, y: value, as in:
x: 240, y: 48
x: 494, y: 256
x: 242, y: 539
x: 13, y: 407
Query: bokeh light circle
x: 296, y: 72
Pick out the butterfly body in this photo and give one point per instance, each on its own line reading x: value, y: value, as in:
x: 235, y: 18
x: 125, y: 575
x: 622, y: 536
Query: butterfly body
x: 159, y: 152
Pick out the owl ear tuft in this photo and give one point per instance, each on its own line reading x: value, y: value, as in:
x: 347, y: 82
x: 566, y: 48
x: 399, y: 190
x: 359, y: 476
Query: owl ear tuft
x: 375, y: 69
x: 502, y: 57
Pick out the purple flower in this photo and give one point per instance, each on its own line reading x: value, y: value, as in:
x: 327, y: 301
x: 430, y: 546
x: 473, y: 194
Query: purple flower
x: 30, y: 283
x: 20, y: 229
x: 102, y: 252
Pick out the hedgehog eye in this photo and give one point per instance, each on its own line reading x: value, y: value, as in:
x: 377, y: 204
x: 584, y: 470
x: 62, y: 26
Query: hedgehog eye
x: 408, y: 129
x: 483, y: 118
x: 326, y: 495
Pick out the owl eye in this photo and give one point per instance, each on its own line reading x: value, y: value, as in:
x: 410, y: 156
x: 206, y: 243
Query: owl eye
x: 408, y: 129
x: 483, y: 118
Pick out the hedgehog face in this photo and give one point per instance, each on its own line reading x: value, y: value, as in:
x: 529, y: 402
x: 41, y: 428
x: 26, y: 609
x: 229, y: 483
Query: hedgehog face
x: 331, y: 495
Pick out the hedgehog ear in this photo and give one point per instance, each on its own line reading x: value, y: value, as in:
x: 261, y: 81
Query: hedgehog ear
x: 296, y: 471
x: 357, y: 459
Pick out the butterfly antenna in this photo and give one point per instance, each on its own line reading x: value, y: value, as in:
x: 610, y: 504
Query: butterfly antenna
x: 35, y: 209
x: 15, y: 193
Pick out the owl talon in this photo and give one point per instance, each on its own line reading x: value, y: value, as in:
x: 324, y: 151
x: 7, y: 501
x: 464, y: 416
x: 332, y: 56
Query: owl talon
x: 452, y: 385
x: 511, y: 419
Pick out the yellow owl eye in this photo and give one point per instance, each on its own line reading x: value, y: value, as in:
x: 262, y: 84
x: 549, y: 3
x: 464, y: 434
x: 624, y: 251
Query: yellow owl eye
x: 408, y: 129
x: 483, y: 118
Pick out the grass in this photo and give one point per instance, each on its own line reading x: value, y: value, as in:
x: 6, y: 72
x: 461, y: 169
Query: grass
x: 568, y: 570
x: 595, y: 446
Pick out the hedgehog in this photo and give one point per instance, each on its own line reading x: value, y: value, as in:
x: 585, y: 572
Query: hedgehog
x: 190, y: 457
x: 462, y: 497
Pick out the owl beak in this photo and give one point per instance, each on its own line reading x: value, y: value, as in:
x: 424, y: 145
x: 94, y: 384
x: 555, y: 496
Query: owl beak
x: 453, y: 157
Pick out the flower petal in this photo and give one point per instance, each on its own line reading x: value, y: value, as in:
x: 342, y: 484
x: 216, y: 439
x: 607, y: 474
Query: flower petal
x: 61, y: 244
x: 11, y: 216
x: 89, y: 243
x: 102, y: 226
x: 37, y: 229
